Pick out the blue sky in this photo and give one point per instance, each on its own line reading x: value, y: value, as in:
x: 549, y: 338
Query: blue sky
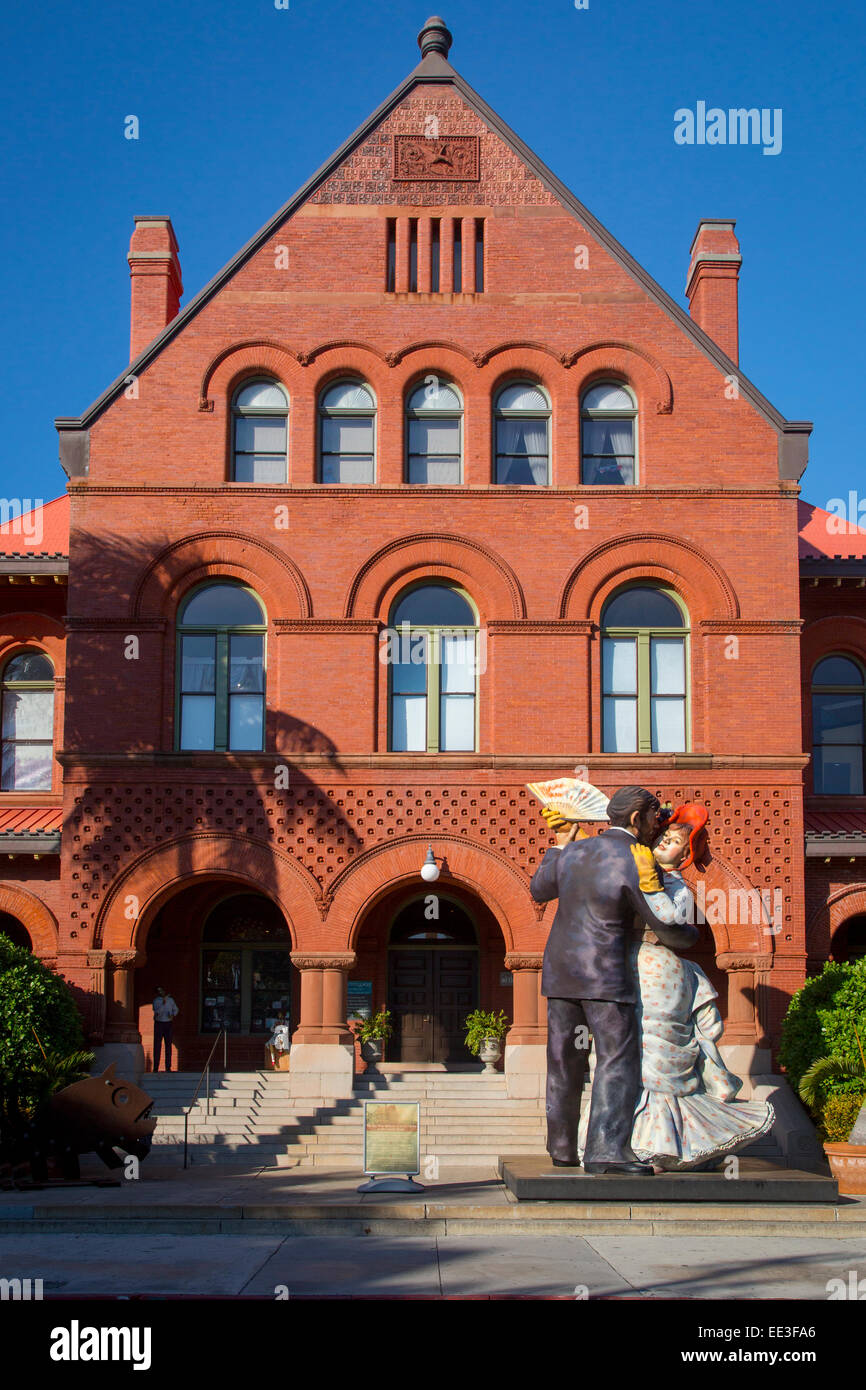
x: 240, y: 102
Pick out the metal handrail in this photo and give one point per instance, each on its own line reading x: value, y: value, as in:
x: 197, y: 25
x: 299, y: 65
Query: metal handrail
x: 205, y: 1074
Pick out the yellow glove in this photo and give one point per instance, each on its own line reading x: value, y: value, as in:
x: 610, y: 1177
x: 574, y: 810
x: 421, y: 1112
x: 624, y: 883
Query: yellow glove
x: 647, y: 868
x: 554, y: 820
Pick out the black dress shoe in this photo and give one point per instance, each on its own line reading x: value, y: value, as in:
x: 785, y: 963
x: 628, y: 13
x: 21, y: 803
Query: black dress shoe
x: 566, y: 1162
x: 637, y: 1170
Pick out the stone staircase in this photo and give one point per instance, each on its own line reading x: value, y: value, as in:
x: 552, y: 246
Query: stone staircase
x: 467, y: 1120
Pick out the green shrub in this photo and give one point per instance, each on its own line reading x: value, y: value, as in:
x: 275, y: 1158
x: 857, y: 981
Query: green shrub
x: 32, y: 998
x: 839, y: 1116
x: 820, y: 1022
x: 376, y: 1029
x: 480, y: 1025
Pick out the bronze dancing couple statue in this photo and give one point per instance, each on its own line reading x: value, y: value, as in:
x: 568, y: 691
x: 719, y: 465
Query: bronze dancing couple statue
x: 662, y: 1098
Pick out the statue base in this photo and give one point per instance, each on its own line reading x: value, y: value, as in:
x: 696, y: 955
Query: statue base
x: 536, y: 1179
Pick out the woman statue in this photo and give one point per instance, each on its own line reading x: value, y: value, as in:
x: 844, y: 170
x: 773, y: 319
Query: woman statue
x: 686, y: 1116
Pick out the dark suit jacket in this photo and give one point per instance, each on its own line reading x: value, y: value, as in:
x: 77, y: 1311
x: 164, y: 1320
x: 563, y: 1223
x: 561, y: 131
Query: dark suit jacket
x: 597, y: 883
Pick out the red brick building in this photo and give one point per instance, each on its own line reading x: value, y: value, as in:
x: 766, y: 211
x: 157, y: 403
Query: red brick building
x: 432, y: 391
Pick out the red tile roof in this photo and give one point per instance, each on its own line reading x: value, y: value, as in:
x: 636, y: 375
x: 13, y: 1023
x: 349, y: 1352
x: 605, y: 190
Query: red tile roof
x: 38, y: 820
x: 52, y: 527
x: 823, y: 535
x: 836, y: 825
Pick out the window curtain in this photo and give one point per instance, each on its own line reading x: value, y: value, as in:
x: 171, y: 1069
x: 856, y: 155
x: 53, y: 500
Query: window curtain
x: 528, y: 438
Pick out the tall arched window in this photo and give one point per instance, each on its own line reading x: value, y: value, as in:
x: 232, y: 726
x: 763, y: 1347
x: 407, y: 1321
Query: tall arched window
x: 347, y: 434
x: 608, y: 418
x: 522, y: 434
x: 260, y: 447
x: 246, y: 966
x: 644, y: 672
x: 431, y: 650
x: 434, y: 417
x: 221, y: 668
x: 28, y: 723
x: 838, y: 757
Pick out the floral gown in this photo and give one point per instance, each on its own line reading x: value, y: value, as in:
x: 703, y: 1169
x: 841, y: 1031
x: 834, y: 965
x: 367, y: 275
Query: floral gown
x: 686, y: 1113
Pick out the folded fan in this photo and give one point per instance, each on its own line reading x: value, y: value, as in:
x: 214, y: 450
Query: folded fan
x: 571, y: 799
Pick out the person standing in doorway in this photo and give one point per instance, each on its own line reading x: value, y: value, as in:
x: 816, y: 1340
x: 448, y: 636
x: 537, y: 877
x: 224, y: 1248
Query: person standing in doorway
x: 165, y: 1011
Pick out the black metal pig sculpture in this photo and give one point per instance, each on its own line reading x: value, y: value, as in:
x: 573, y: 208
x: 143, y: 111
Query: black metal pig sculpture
x: 97, y: 1115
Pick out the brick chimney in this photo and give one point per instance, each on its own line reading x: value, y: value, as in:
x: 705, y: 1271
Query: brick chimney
x: 154, y: 270
x: 712, y: 283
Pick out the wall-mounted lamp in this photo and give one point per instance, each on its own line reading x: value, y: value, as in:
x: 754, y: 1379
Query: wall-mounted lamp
x: 430, y: 869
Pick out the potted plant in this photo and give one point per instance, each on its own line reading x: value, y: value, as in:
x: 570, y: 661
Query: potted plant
x: 844, y: 1123
x: 372, y: 1033
x: 484, y: 1032
x: 843, y: 1117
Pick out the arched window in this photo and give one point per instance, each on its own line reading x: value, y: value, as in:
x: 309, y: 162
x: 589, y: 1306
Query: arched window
x: 522, y: 434
x: 431, y: 650
x: 434, y: 416
x: 644, y: 665
x: 260, y: 411
x: 838, y: 691
x: 347, y: 434
x: 246, y: 966
x: 608, y: 415
x: 221, y: 686
x: 28, y: 723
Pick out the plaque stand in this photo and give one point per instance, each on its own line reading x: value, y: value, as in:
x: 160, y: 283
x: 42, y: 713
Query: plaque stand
x: 383, y: 1184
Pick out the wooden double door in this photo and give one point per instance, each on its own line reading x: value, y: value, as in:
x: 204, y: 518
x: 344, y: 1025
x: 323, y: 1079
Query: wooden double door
x: 431, y: 990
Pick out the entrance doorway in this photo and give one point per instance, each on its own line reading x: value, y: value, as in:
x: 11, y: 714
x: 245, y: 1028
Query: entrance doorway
x: 246, y: 966
x: 432, y: 981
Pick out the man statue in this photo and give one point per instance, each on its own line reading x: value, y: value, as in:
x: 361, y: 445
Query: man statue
x: 602, y: 882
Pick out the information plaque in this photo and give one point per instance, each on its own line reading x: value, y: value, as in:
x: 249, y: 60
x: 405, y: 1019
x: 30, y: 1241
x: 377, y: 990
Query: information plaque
x: 392, y: 1142
x: 360, y: 1001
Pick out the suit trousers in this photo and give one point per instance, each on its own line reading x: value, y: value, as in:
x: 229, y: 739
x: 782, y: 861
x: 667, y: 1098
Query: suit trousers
x: 615, y: 1086
x: 162, y: 1039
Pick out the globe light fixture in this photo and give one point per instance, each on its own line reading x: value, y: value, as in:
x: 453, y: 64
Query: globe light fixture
x: 430, y: 869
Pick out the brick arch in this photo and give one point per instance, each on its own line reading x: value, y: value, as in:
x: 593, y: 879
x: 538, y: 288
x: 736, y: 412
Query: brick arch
x: 34, y: 632
x: 690, y: 570
x: 485, y: 575
x: 516, y: 348
x: 826, y: 920
x: 241, y: 359
x: 343, y: 345
x: 635, y: 366
x: 37, y: 919
x: 482, y: 871
x: 527, y: 364
x: 159, y: 873
x: 348, y: 359
x: 230, y: 554
x: 741, y: 937
x: 845, y: 634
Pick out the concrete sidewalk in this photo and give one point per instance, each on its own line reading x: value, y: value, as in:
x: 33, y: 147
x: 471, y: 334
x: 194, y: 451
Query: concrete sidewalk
x: 268, y: 1201
x: 549, y: 1266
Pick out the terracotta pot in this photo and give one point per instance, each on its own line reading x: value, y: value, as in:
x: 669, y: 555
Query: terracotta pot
x: 848, y: 1166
